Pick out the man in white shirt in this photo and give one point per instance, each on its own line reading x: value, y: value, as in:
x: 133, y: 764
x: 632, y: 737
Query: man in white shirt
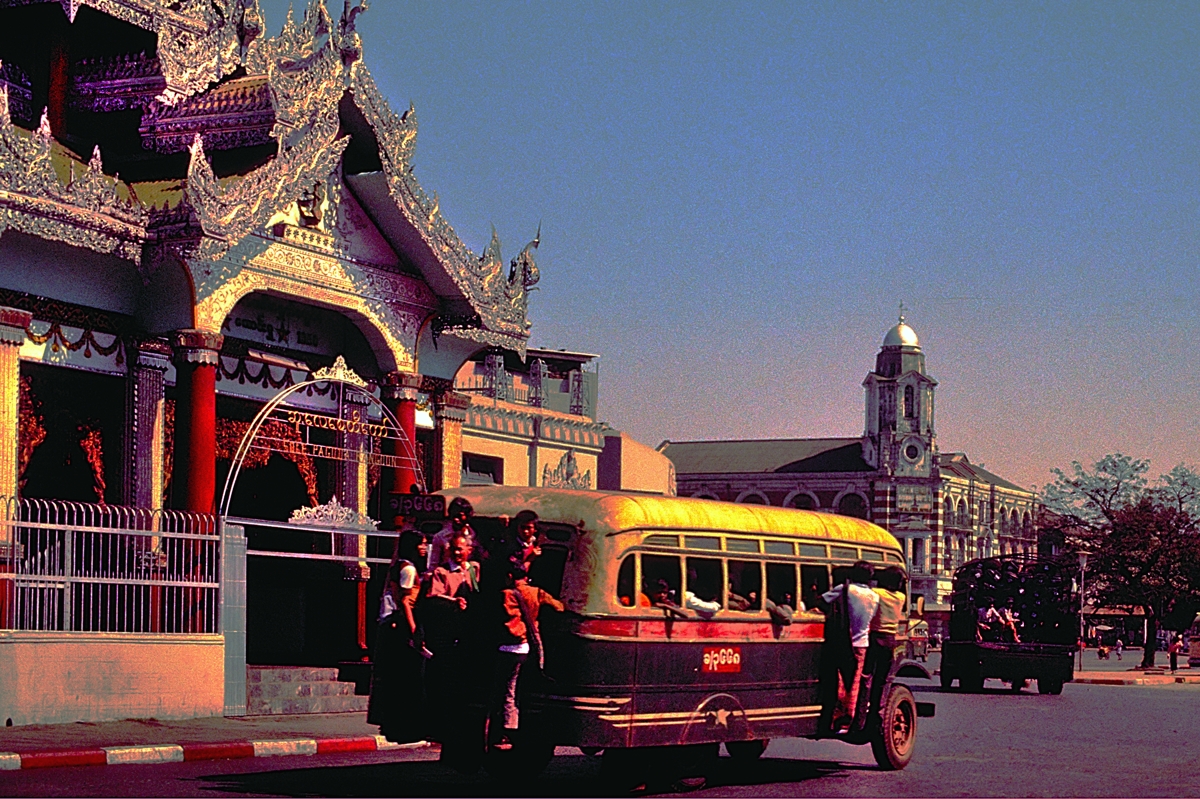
x: 863, y: 605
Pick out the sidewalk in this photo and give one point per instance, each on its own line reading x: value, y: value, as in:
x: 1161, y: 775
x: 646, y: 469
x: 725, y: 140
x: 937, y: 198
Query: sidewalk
x: 153, y: 741
x: 1138, y: 677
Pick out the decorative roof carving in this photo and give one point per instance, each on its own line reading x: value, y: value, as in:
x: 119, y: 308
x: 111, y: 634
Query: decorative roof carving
x: 339, y: 372
x: 86, y: 211
x: 238, y: 113
x: 501, y: 301
x: 333, y: 514
x: 116, y: 83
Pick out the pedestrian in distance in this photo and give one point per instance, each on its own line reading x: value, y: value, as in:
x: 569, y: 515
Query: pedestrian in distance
x: 1173, y: 651
x: 1120, y: 647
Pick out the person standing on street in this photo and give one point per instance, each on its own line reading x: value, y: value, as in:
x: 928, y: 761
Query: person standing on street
x: 1173, y: 651
x: 1120, y: 647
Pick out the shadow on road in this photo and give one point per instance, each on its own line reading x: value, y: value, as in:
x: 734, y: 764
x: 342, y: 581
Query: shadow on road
x: 566, y: 776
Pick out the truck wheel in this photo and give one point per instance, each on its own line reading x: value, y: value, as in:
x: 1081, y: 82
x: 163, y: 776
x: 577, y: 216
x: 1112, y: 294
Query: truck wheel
x: 892, y: 742
x: 947, y: 679
x: 746, y: 751
x: 1049, y: 686
x: 1017, y: 685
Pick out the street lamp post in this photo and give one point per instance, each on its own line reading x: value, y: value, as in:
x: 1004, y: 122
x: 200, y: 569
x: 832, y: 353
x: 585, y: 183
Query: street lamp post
x: 1083, y: 559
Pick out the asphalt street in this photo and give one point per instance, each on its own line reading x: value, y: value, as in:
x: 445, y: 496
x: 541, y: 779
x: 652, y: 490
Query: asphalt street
x: 1093, y: 740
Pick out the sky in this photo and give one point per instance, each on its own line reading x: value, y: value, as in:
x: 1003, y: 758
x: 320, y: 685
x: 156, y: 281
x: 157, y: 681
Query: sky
x: 736, y: 197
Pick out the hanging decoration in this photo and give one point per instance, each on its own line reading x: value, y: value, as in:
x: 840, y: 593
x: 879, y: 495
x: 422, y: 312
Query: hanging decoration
x: 231, y: 431
x: 242, y: 373
x: 31, y: 428
x: 87, y: 342
x: 92, y: 444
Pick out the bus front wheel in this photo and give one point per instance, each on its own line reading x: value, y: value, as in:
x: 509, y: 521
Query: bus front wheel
x: 894, y: 739
x: 746, y: 751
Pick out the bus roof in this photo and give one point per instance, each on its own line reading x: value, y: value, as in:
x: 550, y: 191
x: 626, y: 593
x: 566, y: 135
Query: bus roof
x: 610, y: 512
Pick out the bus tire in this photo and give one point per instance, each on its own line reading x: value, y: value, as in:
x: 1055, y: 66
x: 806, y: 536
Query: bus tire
x: 746, y: 751
x: 527, y: 759
x: 947, y: 679
x: 893, y: 740
x: 1049, y: 686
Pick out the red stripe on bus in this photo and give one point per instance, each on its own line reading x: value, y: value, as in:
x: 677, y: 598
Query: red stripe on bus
x: 654, y: 629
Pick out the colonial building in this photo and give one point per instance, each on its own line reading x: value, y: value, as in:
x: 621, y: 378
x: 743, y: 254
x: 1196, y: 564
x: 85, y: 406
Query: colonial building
x: 944, y: 509
x: 196, y: 216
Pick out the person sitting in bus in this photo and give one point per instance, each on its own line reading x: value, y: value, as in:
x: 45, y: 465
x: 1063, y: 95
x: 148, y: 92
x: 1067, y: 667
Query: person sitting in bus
x: 458, y: 516
x: 739, y: 602
x: 706, y: 608
x: 863, y: 604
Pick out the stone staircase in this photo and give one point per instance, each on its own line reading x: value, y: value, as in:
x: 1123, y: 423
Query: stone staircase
x: 276, y: 690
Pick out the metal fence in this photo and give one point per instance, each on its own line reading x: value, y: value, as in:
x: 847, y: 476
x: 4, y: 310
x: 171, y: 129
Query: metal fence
x: 74, y: 566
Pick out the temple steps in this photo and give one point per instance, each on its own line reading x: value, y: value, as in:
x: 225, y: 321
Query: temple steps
x: 279, y: 690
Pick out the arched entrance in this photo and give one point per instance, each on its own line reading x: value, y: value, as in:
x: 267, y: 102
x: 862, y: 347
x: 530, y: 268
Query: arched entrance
x: 309, y: 576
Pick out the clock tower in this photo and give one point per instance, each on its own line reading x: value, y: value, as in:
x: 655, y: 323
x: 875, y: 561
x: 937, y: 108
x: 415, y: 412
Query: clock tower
x: 899, y: 438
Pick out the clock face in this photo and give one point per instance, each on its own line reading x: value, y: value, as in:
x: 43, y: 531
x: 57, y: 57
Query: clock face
x: 912, y: 452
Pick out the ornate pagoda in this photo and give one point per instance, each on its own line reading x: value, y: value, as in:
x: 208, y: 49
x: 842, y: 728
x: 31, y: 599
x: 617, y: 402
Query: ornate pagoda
x: 207, y: 213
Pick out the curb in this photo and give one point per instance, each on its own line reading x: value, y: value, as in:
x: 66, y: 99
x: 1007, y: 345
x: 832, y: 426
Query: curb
x: 178, y: 753
x: 1151, y: 680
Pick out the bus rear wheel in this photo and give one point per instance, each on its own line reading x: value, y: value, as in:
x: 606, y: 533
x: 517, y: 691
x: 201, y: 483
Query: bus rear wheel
x: 893, y: 741
x: 1048, y: 686
x: 746, y: 751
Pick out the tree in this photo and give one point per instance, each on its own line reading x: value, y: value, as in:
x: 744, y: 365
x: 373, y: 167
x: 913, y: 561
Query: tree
x: 1143, y: 540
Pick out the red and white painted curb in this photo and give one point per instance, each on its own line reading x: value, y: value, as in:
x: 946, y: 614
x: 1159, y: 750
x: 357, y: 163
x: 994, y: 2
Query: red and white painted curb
x: 178, y: 753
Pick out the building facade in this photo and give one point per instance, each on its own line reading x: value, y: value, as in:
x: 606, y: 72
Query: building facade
x: 943, y: 509
x: 194, y: 217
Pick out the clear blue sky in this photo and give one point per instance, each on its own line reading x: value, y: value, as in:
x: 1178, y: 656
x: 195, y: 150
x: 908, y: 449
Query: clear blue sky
x: 735, y: 197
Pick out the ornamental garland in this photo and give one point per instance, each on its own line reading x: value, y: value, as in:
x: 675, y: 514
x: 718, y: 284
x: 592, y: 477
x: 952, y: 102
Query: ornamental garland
x: 229, y: 436
x: 87, y: 342
x: 241, y: 373
x: 93, y: 446
x: 31, y: 430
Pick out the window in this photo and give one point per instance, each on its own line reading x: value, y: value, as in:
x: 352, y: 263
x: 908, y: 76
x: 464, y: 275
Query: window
x: 844, y: 553
x: 781, y: 584
x: 482, y: 470
x: 745, y: 586
x: 815, y: 580
x: 780, y: 548
x: 910, y: 402
x: 852, y: 505
x: 741, y: 545
x: 662, y: 541
x: 803, y: 502
x: 704, y: 579
x: 813, y: 551
x: 661, y: 574
x: 918, y: 555
x: 625, y: 595
x: 701, y: 542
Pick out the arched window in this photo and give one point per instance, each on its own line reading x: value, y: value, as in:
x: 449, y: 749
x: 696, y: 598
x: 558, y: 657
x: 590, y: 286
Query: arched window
x: 910, y: 402
x: 948, y: 553
x: 752, y: 499
x: 852, y: 505
x: 803, y: 502
x: 948, y: 512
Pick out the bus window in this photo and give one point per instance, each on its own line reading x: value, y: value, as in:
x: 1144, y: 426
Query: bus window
x: 662, y: 569
x: 781, y: 584
x: 703, y: 580
x: 841, y: 574
x: 745, y: 585
x: 815, y: 580
x: 546, y: 570
x: 625, y: 582
x: 844, y: 553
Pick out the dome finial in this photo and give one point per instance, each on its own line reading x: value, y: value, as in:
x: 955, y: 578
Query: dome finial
x: 901, y: 311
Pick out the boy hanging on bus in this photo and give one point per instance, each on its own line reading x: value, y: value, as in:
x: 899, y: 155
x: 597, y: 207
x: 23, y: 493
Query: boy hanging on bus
x: 850, y: 608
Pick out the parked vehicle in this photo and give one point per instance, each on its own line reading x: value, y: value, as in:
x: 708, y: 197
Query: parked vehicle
x: 1040, y: 645
x: 636, y: 667
x: 917, y: 647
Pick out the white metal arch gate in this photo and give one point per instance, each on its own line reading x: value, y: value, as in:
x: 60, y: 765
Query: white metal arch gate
x: 341, y: 374
x: 235, y: 551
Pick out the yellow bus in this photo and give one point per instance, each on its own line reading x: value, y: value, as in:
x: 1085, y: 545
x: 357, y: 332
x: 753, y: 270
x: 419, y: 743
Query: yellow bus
x: 687, y: 621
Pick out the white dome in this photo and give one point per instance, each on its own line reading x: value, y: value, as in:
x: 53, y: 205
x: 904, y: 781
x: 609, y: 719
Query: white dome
x: 901, y: 336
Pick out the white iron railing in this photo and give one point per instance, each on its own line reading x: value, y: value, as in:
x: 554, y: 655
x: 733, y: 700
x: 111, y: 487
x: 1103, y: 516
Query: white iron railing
x: 74, y: 566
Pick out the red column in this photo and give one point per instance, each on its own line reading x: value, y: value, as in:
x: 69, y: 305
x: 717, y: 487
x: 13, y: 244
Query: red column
x: 400, y: 393
x: 195, y: 469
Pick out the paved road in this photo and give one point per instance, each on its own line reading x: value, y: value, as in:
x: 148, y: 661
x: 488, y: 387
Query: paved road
x: 1093, y: 740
